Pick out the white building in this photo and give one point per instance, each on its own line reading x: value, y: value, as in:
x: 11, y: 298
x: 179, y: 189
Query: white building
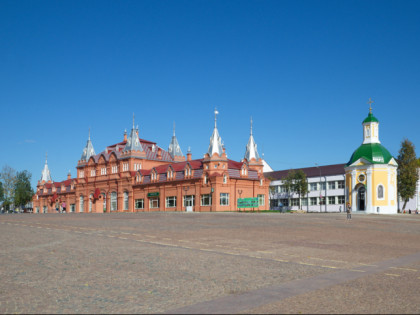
x: 325, y: 190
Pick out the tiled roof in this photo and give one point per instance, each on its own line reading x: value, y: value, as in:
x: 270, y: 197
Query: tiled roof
x: 234, y: 165
x: 326, y: 170
x: 252, y: 174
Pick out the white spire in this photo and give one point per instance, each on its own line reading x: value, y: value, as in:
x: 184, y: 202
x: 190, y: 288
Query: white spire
x: 133, y: 142
x: 174, y: 148
x: 215, y: 140
x: 46, y: 172
x: 251, y: 147
x: 88, y: 151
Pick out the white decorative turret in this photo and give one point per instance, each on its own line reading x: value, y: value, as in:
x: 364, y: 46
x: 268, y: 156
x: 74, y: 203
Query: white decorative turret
x: 215, y: 140
x: 251, y: 148
x: 46, y: 177
x: 133, y: 142
x: 370, y: 127
x: 174, y: 148
x: 88, y: 151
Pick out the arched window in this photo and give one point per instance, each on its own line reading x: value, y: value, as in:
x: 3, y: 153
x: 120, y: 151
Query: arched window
x: 90, y: 202
x: 224, y: 179
x: 113, y: 201
x: 125, y: 200
x: 104, y: 201
x: 81, y: 203
x: 380, y: 192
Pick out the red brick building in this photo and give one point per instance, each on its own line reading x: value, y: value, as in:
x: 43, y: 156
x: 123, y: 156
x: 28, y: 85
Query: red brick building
x: 138, y: 175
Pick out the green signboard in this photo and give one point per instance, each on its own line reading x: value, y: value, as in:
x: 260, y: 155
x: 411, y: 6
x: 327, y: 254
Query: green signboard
x: 153, y: 194
x: 248, y: 203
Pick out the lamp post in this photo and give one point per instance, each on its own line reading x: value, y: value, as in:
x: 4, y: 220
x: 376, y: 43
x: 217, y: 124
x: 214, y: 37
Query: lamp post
x: 240, y: 191
x: 320, y: 187
x: 185, y: 188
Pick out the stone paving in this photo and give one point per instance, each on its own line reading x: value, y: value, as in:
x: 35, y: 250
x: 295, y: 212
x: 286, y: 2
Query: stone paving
x: 209, y: 262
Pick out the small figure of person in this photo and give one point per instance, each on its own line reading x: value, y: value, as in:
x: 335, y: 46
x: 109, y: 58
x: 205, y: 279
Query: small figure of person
x: 57, y: 206
x: 63, y: 205
x: 409, y: 211
x: 348, y: 212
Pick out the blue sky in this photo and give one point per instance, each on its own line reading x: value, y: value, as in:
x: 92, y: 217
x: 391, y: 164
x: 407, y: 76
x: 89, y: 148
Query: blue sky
x: 303, y: 70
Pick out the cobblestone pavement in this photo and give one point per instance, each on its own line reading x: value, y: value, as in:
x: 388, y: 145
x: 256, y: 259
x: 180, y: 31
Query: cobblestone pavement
x: 209, y: 262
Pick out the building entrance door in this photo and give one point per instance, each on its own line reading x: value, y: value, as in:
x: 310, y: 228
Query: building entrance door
x: 361, y: 198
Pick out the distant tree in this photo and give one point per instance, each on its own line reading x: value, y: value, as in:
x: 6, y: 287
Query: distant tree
x: 407, y: 171
x: 1, y: 192
x: 289, y: 184
x: 8, y: 179
x: 300, y: 185
x: 23, y: 191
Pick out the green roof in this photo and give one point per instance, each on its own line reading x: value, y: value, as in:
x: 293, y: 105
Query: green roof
x: 375, y: 153
x: 370, y: 118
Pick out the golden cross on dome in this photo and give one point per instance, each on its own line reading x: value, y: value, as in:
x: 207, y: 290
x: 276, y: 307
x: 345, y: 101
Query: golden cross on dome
x: 370, y: 105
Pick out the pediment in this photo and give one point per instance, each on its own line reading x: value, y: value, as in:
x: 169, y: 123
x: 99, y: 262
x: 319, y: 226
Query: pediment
x: 360, y: 162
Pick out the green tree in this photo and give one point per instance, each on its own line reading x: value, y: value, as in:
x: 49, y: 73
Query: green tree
x: 8, y: 179
x: 1, y: 192
x: 300, y: 185
x: 289, y: 184
x: 23, y: 191
x: 407, y: 171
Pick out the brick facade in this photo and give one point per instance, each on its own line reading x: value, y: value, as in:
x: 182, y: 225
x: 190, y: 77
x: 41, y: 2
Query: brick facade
x: 148, y: 178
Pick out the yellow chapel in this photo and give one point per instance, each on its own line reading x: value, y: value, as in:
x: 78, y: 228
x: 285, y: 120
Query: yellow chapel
x: 371, y: 173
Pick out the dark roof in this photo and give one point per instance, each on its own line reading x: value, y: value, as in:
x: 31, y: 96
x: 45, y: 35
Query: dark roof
x: 326, y: 170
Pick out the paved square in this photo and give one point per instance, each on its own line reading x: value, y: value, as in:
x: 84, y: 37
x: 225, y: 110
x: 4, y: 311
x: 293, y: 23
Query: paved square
x: 209, y: 262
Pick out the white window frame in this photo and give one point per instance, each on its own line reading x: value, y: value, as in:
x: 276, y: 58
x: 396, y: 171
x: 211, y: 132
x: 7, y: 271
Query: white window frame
x: 189, y: 200
x: 154, y: 203
x: 332, y: 185
x: 170, y: 202
x: 90, y: 202
x: 125, y: 200
x: 383, y: 192
x: 261, y: 200
x: 294, y: 202
x: 114, y: 201
x: 224, y: 199
x: 139, y: 203
x: 81, y: 203
x: 206, y: 200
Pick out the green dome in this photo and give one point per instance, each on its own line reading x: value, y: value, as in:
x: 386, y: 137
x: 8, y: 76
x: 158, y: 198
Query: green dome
x: 370, y: 118
x: 375, y: 153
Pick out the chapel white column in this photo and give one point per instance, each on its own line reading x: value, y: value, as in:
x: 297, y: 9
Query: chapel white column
x: 353, y: 191
x: 369, y: 194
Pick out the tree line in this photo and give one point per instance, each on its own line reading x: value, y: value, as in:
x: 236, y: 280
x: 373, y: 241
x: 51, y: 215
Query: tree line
x: 15, y: 188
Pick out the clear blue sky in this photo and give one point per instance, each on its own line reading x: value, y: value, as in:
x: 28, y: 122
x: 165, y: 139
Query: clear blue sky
x: 303, y: 70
